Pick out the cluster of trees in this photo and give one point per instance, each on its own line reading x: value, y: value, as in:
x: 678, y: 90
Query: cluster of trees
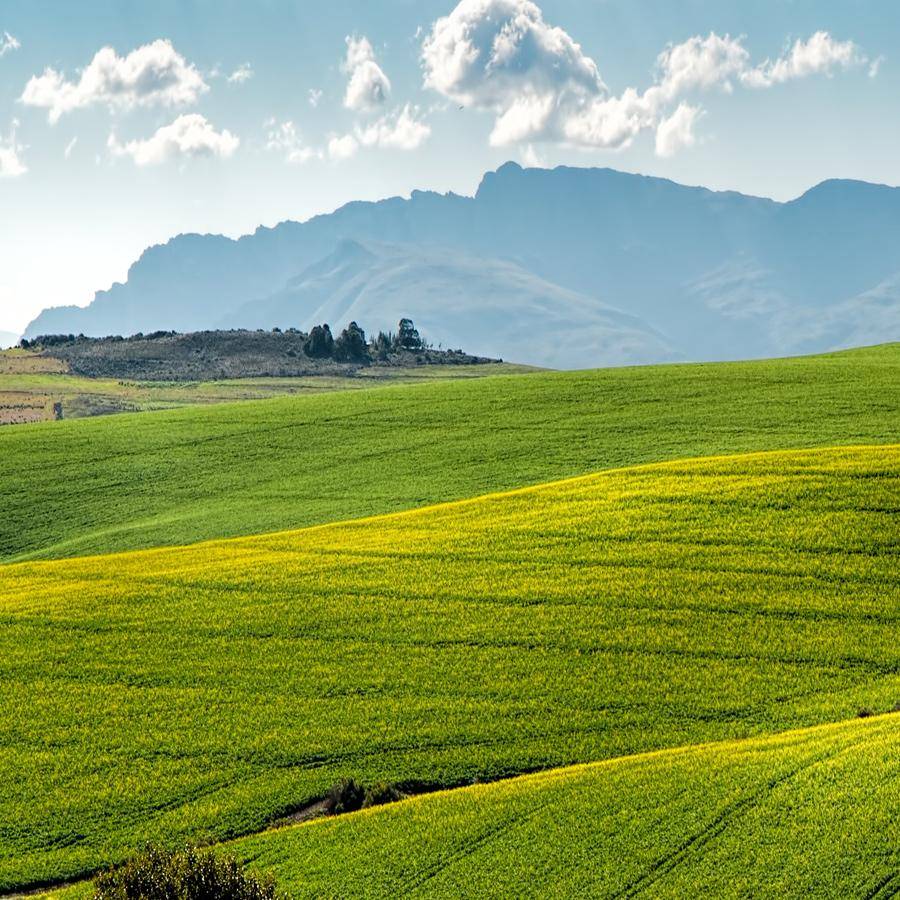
x: 56, y: 340
x: 351, y: 344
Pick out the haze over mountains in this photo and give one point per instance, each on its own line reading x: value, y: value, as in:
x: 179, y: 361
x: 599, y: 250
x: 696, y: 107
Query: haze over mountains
x: 564, y: 267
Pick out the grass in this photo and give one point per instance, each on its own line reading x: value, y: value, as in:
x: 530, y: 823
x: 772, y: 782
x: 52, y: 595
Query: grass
x: 205, y: 691
x: 126, y: 482
x: 30, y: 385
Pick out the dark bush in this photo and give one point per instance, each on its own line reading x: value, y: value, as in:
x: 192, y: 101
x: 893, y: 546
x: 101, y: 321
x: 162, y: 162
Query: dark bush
x: 865, y: 712
x: 320, y: 343
x: 345, y: 796
x: 380, y: 793
x: 189, y: 874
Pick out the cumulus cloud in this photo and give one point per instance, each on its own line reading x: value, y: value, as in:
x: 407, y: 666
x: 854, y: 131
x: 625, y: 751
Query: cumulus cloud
x: 503, y: 57
x: 700, y: 64
x: 820, y: 55
x: 401, y: 130
x: 284, y: 138
x: 368, y: 88
x: 154, y: 74
x: 314, y: 96
x: 8, y: 43
x: 244, y: 72
x: 487, y: 50
x: 677, y: 131
x: 188, y: 136
x: 11, y: 164
x: 342, y: 147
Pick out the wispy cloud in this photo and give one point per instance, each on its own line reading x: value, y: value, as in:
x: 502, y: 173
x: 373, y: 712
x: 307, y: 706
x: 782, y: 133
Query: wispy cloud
x: 244, y: 72
x: 8, y: 43
x: 284, y: 138
x: 11, y: 163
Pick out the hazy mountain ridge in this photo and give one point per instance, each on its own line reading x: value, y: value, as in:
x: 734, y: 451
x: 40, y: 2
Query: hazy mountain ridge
x: 468, y: 301
x: 716, y: 274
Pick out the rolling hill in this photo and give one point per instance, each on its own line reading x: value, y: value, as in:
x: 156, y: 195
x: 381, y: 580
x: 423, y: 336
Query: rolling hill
x: 718, y: 275
x: 205, y: 691
x: 739, y: 818
x: 94, y: 486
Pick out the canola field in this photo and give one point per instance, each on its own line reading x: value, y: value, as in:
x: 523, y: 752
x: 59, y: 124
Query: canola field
x: 174, y: 477
x: 802, y: 814
x: 205, y: 691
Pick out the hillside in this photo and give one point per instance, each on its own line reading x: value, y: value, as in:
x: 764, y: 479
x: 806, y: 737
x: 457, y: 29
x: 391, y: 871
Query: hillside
x: 178, y: 476
x: 219, y: 355
x: 208, y: 690
x: 732, y: 819
x: 712, y: 275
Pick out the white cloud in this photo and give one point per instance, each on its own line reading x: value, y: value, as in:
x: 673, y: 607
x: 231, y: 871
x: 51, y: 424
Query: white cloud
x: 244, y: 72
x: 503, y: 57
x: 486, y: 51
x: 8, y: 43
x: 188, y: 136
x: 875, y: 66
x: 70, y: 147
x: 820, y: 55
x: 400, y: 130
x: 368, y: 88
x: 700, y: 64
x: 342, y: 147
x: 314, y: 96
x: 284, y: 138
x: 11, y: 165
x: 154, y: 74
x: 677, y: 131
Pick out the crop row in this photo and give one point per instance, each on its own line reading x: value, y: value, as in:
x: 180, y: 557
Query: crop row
x: 203, y: 691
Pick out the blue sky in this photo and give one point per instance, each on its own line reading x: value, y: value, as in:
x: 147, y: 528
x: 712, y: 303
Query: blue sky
x: 220, y: 116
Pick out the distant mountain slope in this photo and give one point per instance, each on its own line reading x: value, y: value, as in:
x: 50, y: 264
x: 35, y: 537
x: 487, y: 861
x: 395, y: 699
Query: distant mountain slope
x: 719, y: 275
x: 465, y: 300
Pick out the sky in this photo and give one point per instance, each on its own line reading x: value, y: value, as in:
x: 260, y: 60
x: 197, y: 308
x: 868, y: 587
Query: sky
x: 124, y: 123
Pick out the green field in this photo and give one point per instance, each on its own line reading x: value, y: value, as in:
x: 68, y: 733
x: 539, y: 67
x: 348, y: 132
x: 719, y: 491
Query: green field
x: 735, y: 819
x: 694, y: 821
x: 31, y: 384
x: 205, y: 691
x: 127, y: 482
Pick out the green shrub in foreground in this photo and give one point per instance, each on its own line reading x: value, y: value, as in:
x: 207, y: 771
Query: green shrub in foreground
x: 189, y: 874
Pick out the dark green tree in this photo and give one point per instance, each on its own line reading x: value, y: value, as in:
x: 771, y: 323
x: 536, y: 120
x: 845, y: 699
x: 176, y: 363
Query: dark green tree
x: 351, y: 344
x: 407, y: 336
x: 320, y: 343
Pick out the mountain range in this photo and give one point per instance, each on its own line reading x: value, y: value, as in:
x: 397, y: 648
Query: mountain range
x: 567, y: 267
